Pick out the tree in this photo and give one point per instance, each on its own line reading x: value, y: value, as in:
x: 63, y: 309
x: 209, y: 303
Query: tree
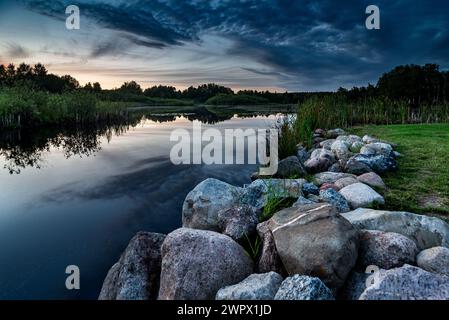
x: 70, y: 83
x: 131, y: 87
x: 96, y: 87
x: 39, y: 70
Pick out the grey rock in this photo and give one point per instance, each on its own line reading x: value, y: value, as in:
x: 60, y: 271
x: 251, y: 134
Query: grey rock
x: 407, y: 283
x: 340, y: 149
x: 302, y: 154
x: 326, y: 144
x: 238, y: 222
x: 377, y: 148
x: 315, y: 240
x: 373, y: 180
x: 197, y: 263
x: 269, y: 259
x: 360, y: 195
x: 355, y: 167
x: 385, y: 250
x: 368, y: 139
x: 310, y: 188
x: 427, y: 232
x: 303, y: 288
x: 330, y: 177
x: 334, y: 198
x: 202, y: 204
x: 136, y: 275
x: 378, y: 163
x: 314, y: 198
x: 434, y: 260
x: 302, y: 201
x: 255, y: 287
x: 290, y: 167
x: 344, y: 182
x: 320, y: 160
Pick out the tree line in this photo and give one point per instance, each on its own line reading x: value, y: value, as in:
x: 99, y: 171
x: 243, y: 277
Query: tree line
x: 413, y: 84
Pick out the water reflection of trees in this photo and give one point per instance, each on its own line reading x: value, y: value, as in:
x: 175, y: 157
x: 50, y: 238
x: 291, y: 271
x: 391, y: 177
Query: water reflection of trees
x: 24, y: 148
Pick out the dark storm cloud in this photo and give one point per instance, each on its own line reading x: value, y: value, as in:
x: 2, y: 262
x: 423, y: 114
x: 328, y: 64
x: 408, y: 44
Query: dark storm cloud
x: 307, y: 44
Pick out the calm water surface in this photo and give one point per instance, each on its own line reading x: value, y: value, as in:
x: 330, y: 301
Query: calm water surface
x: 81, y: 202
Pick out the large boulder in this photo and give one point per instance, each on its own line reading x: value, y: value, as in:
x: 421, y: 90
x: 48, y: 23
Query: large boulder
x: 269, y: 259
x: 136, y: 275
x: 197, y: 263
x: 360, y: 195
x: 202, y: 204
x: 434, y: 260
x: 315, y: 240
x: 330, y: 177
x: 255, y: 287
x: 407, y: 283
x: 385, y: 250
x: 303, y: 288
x: 427, y: 232
x: 334, y: 133
x: 327, y: 144
x: 336, y: 199
x: 290, y: 167
x: 258, y: 192
x: 310, y: 188
x: 377, y: 163
x: 302, y: 154
x: 373, y: 180
x: 238, y: 222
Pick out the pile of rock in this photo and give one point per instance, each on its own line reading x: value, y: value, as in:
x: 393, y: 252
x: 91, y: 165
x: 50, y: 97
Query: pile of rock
x: 316, y: 250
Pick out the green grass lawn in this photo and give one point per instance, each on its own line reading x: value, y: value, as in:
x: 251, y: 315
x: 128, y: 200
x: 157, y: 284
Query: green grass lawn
x: 422, y: 183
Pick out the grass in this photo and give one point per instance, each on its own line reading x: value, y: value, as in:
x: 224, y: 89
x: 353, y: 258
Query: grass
x: 421, y: 185
x: 236, y: 99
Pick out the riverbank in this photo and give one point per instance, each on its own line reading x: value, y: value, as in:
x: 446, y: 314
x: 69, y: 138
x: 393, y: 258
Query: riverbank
x: 320, y: 248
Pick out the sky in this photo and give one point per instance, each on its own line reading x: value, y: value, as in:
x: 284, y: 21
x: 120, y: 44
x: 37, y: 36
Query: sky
x: 276, y: 45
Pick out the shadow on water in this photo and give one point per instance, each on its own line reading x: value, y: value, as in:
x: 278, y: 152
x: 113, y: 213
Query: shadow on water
x: 22, y: 148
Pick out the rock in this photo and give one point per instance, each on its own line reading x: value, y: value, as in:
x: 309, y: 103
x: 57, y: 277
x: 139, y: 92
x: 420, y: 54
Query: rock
x: 136, y: 275
x: 340, y: 149
x: 378, y: 163
x: 434, y: 260
x: 320, y: 160
x: 344, y: 182
x: 333, y: 134
x: 355, y: 167
x: 314, y: 198
x: 202, y: 204
x: 310, y: 188
x: 269, y: 259
x: 197, y: 263
x: 385, y: 250
x: 255, y: 176
x: 302, y: 154
x: 330, y: 177
x: 334, y: 198
x: 255, y: 287
x: 238, y: 222
x: 326, y: 186
x: 354, y: 286
x: 427, y: 232
x: 373, y: 180
x: 303, y: 288
x: 377, y: 148
x: 256, y: 194
x: 349, y: 140
x: 315, y: 240
x: 360, y: 195
x: 368, y: 139
x: 336, y: 167
x: 317, y: 140
x: 290, y: 167
x: 320, y: 132
x: 302, y: 202
x: 326, y: 144
x: 397, y: 154
x: 408, y: 283
x: 356, y: 147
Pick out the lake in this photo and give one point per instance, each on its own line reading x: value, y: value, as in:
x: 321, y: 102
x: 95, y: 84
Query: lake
x: 76, y: 196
